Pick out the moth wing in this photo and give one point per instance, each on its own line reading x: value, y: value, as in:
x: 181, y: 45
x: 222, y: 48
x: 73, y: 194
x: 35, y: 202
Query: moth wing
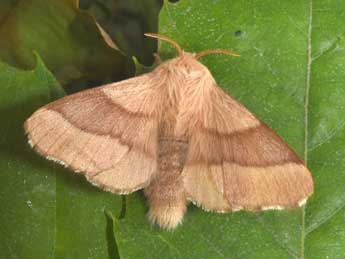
x: 236, y: 162
x: 107, y: 133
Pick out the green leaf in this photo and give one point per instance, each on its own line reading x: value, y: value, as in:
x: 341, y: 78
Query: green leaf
x: 67, y: 39
x: 291, y: 75
x: 47, y: 211
x: 126, y: 21
x: 27, y: 195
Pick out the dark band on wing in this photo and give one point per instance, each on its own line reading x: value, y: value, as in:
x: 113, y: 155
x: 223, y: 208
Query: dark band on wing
x: 95, y: 113
x: 257, y: 146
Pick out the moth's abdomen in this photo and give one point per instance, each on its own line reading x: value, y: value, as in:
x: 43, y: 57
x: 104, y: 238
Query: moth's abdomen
x: 165, y: 193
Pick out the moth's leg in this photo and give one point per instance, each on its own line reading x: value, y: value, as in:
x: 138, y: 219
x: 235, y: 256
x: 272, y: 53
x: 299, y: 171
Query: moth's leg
x: 158, y: 59
x: 165, y: 194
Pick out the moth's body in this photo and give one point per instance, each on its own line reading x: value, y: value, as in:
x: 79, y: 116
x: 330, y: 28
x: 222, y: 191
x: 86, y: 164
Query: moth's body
x: 165, y: 193
x: 177, y: 135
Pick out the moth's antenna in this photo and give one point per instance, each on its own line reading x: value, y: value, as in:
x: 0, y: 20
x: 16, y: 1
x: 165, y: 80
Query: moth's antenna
x: 216, y: 51
x: 162, y: 37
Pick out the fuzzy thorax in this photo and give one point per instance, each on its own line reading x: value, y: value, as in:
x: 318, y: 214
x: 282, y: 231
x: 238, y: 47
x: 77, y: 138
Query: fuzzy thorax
x: 184, y: 81
x: 184, y: 68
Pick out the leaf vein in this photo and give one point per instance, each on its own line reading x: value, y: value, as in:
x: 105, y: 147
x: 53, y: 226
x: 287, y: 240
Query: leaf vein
x: 318, y: 224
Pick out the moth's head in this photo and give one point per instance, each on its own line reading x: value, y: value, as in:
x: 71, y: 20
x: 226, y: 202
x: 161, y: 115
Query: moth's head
x: 187, y: 59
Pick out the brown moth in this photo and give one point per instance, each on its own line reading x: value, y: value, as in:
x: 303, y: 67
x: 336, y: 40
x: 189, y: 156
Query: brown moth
x: 174, y: 133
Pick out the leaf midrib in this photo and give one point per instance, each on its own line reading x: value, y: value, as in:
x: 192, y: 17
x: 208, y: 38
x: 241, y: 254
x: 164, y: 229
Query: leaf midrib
x: 306, y: 114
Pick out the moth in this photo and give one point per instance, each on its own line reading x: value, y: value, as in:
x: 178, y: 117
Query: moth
x: 176, y: 134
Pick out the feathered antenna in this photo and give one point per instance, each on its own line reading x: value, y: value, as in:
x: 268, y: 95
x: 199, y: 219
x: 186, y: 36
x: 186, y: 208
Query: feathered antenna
x: 162, y: 37
x: 198, y: 55
x: 216, y: 51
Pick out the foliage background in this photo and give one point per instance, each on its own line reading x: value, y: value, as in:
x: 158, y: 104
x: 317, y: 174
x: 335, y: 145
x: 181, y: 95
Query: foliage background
x: 290, y: 74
